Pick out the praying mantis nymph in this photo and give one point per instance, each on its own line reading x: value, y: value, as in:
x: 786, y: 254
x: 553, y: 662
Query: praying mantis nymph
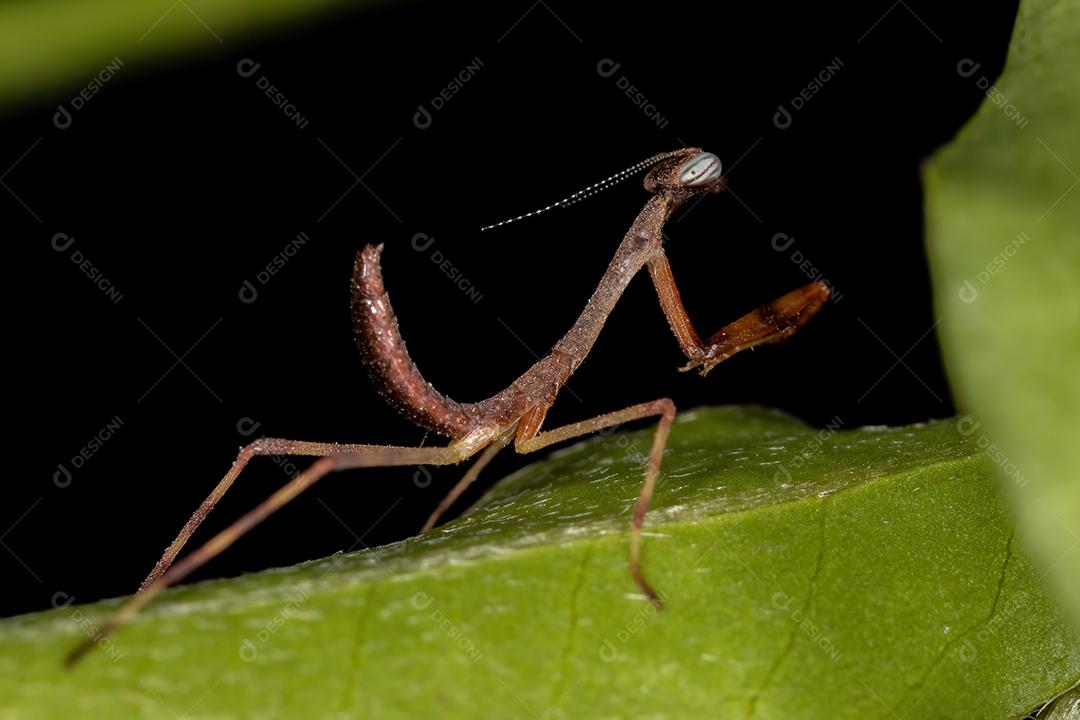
x: 514, y: 415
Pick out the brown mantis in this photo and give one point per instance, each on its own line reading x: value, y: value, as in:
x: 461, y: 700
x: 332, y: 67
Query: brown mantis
x: 516, y: 414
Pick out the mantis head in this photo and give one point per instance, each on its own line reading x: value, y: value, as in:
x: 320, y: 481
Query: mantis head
x: 690, y: 172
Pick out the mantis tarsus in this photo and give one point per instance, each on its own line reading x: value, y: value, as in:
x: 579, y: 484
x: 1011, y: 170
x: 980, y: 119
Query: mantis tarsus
x: 516, y: 414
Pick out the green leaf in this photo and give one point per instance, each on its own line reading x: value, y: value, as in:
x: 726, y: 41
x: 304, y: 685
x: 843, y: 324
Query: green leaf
x: 807, y: 573
x: 50, y: 44
x: 1003, y: 205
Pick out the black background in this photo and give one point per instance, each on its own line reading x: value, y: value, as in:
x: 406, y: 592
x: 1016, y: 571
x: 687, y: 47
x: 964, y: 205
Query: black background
x: 179, y: 181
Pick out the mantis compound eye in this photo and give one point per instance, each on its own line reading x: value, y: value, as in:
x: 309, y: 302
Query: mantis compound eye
x: 701, y: 169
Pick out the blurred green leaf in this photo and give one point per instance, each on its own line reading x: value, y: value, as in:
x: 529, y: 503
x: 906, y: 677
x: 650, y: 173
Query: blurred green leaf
x: 818, y: 574
x: 47, y: 45
x: 1003, y: 207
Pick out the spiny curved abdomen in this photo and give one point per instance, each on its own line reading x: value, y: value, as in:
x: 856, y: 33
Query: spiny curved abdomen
x: 392, y: 370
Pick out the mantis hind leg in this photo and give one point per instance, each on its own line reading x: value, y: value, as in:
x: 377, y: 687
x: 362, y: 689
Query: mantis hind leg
x: 466, y: 480
x: 333, y: 457
x: 260, y: 447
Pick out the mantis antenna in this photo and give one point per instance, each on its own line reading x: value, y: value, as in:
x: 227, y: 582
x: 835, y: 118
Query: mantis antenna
x: 592, y: 189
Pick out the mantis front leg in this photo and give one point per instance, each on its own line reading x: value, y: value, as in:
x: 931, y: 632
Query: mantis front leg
x: 767, y: 324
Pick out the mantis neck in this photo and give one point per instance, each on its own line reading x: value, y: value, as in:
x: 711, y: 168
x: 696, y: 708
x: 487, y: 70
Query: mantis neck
x: 643, y: 240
